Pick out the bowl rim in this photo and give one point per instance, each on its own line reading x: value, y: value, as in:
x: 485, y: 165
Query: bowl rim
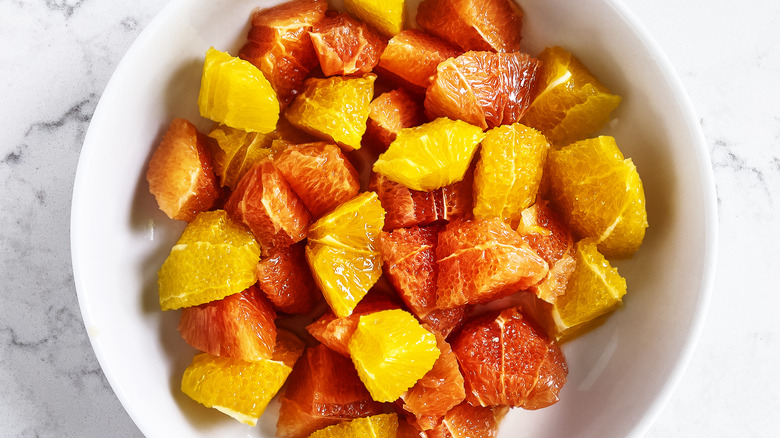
x: 709, y: 200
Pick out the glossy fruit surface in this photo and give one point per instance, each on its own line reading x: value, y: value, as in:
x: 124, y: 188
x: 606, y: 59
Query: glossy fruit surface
x: 430, y: 156
x: 411, y: 58
x: 235, y: 93
x: 485, y: 89
x: 509, y: 171
x: 284, y: 277
x: 237, y: 152
x: 467, y: 421
x: 507, y: 361
x: 181, y: 174
x: 571, y: 104
x: 375, y: 426
x: 493, y: 25
x: 214, y: 257
x: 334, y: 109
x: 320, y: 175
x: 341, y: 251
x: 239, y: 388
x: 345, y: 46
x: 482, y: 260
x: 240, y: 326
x: 599, y: 194
x: 386, y: 16
x: 265, y: 202
x: 278, y: 44
x: 323, y: 389
x: 389, y: 113
x: 391, y: 351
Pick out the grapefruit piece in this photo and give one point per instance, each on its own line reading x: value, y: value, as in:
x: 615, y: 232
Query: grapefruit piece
x: 595, y: 288
x: 411, y: 58
x: 481, y: 260
x: 599, y: 194
x: 278, y: 44
x: 445, y: 321
x: 430, y: 156
x: 345, y: 46
x: 467, y: 421
x: 491, y: 25
x: 386, y: 16
x: 334, y: 332
x: 323, y: 389
x: 341, y: 251
x: 181, y: 174
x: 391, y: 351
x: 264, y: 201
x: 509, y: 172
x: 239, y: 388
x: 240, y: 325
x: 484, y: 89
x: 507, y: 361
x: 320, y: 175
x: 334, y: 109
x: 235, y: 93
x: 389, y: 113
x: 438, y: 391
x: 237, y: 152
x: 375, y: 426
x: 286, y: 280
x: 409, y: 258
x: 546, y: 233
x: 214, y: 257
x: 571, y: 104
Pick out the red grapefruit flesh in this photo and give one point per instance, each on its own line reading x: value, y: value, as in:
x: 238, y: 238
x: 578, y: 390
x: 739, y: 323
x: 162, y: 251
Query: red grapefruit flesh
x: 320, y: 175
x: 467, y: 421
x: 285, y: 278
x: 323, y: 389
x: 181, y: 174
x: 481, y: 260
x: 389, y: 113
x: 445, y: 321
x: 345, y: 46
x: 264, y: 202
x: 411, y: 58
x: 279, y: 45
x: 507, y: 361
x: 334, y: 332
x: 240, y: 326
x: 483, y: 88
x: 492, y: 25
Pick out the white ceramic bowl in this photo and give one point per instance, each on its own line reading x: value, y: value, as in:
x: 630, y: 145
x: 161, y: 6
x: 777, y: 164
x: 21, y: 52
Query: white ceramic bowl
x: 620, y: 373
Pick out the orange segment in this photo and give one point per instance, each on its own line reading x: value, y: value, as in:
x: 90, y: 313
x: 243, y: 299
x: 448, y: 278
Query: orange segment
x: 492, y: 25
x: 235, y: 93
x: 238, y: 151
x: 389, y: 113
x: 386, y: 16
x: 411, y: 57
x: 376, y: 426
x: 430, y: 156
x: 238, y: 388
x: 508, y: 172
x: 483, y: 88
x: 391, y: 351
x: 181, y: 175
x: 345, y: 46
x: 334, y: 109
x: 599, y: 194
x: 214, y: 257
x: 278, y: 44
x: 572, y: 103
x: 285, y: 279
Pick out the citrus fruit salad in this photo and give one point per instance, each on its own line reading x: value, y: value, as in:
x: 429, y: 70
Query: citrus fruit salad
x: 392, y: 227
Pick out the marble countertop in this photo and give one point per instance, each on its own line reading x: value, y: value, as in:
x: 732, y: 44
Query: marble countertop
x: 58, y: 56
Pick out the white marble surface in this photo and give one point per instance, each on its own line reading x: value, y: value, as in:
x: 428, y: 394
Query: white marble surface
x: 57, y: 56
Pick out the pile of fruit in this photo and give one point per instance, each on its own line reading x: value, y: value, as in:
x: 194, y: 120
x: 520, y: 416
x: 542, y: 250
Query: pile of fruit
x: 436, y: 186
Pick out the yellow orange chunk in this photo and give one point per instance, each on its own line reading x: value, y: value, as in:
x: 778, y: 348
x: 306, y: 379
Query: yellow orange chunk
x: 375, y: 426
x: 386, y: 16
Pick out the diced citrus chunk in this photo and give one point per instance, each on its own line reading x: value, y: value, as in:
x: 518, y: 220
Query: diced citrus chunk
x: 389, y: 113
x: 411, y: 58
x: 235, y: 93
x: 571, y: 103
x: 391, y: 351
x: 214, y: 257
x: 509, y: 172
x: 345, y: 46
x: 238, y: 151
x: 430, y: 156
x: 386, y: 16
x: 375, y: 426
x: 334, y: 109
x: 467, y: 421
x: 599, y: 194
x: 284, y: 277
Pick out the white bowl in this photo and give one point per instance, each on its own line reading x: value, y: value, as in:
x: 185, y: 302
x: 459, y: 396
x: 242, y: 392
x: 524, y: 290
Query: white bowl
x: 620, y: 374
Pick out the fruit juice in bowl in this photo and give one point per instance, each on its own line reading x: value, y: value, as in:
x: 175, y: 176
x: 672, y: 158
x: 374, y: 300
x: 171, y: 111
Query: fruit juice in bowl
x: 636, y: 352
